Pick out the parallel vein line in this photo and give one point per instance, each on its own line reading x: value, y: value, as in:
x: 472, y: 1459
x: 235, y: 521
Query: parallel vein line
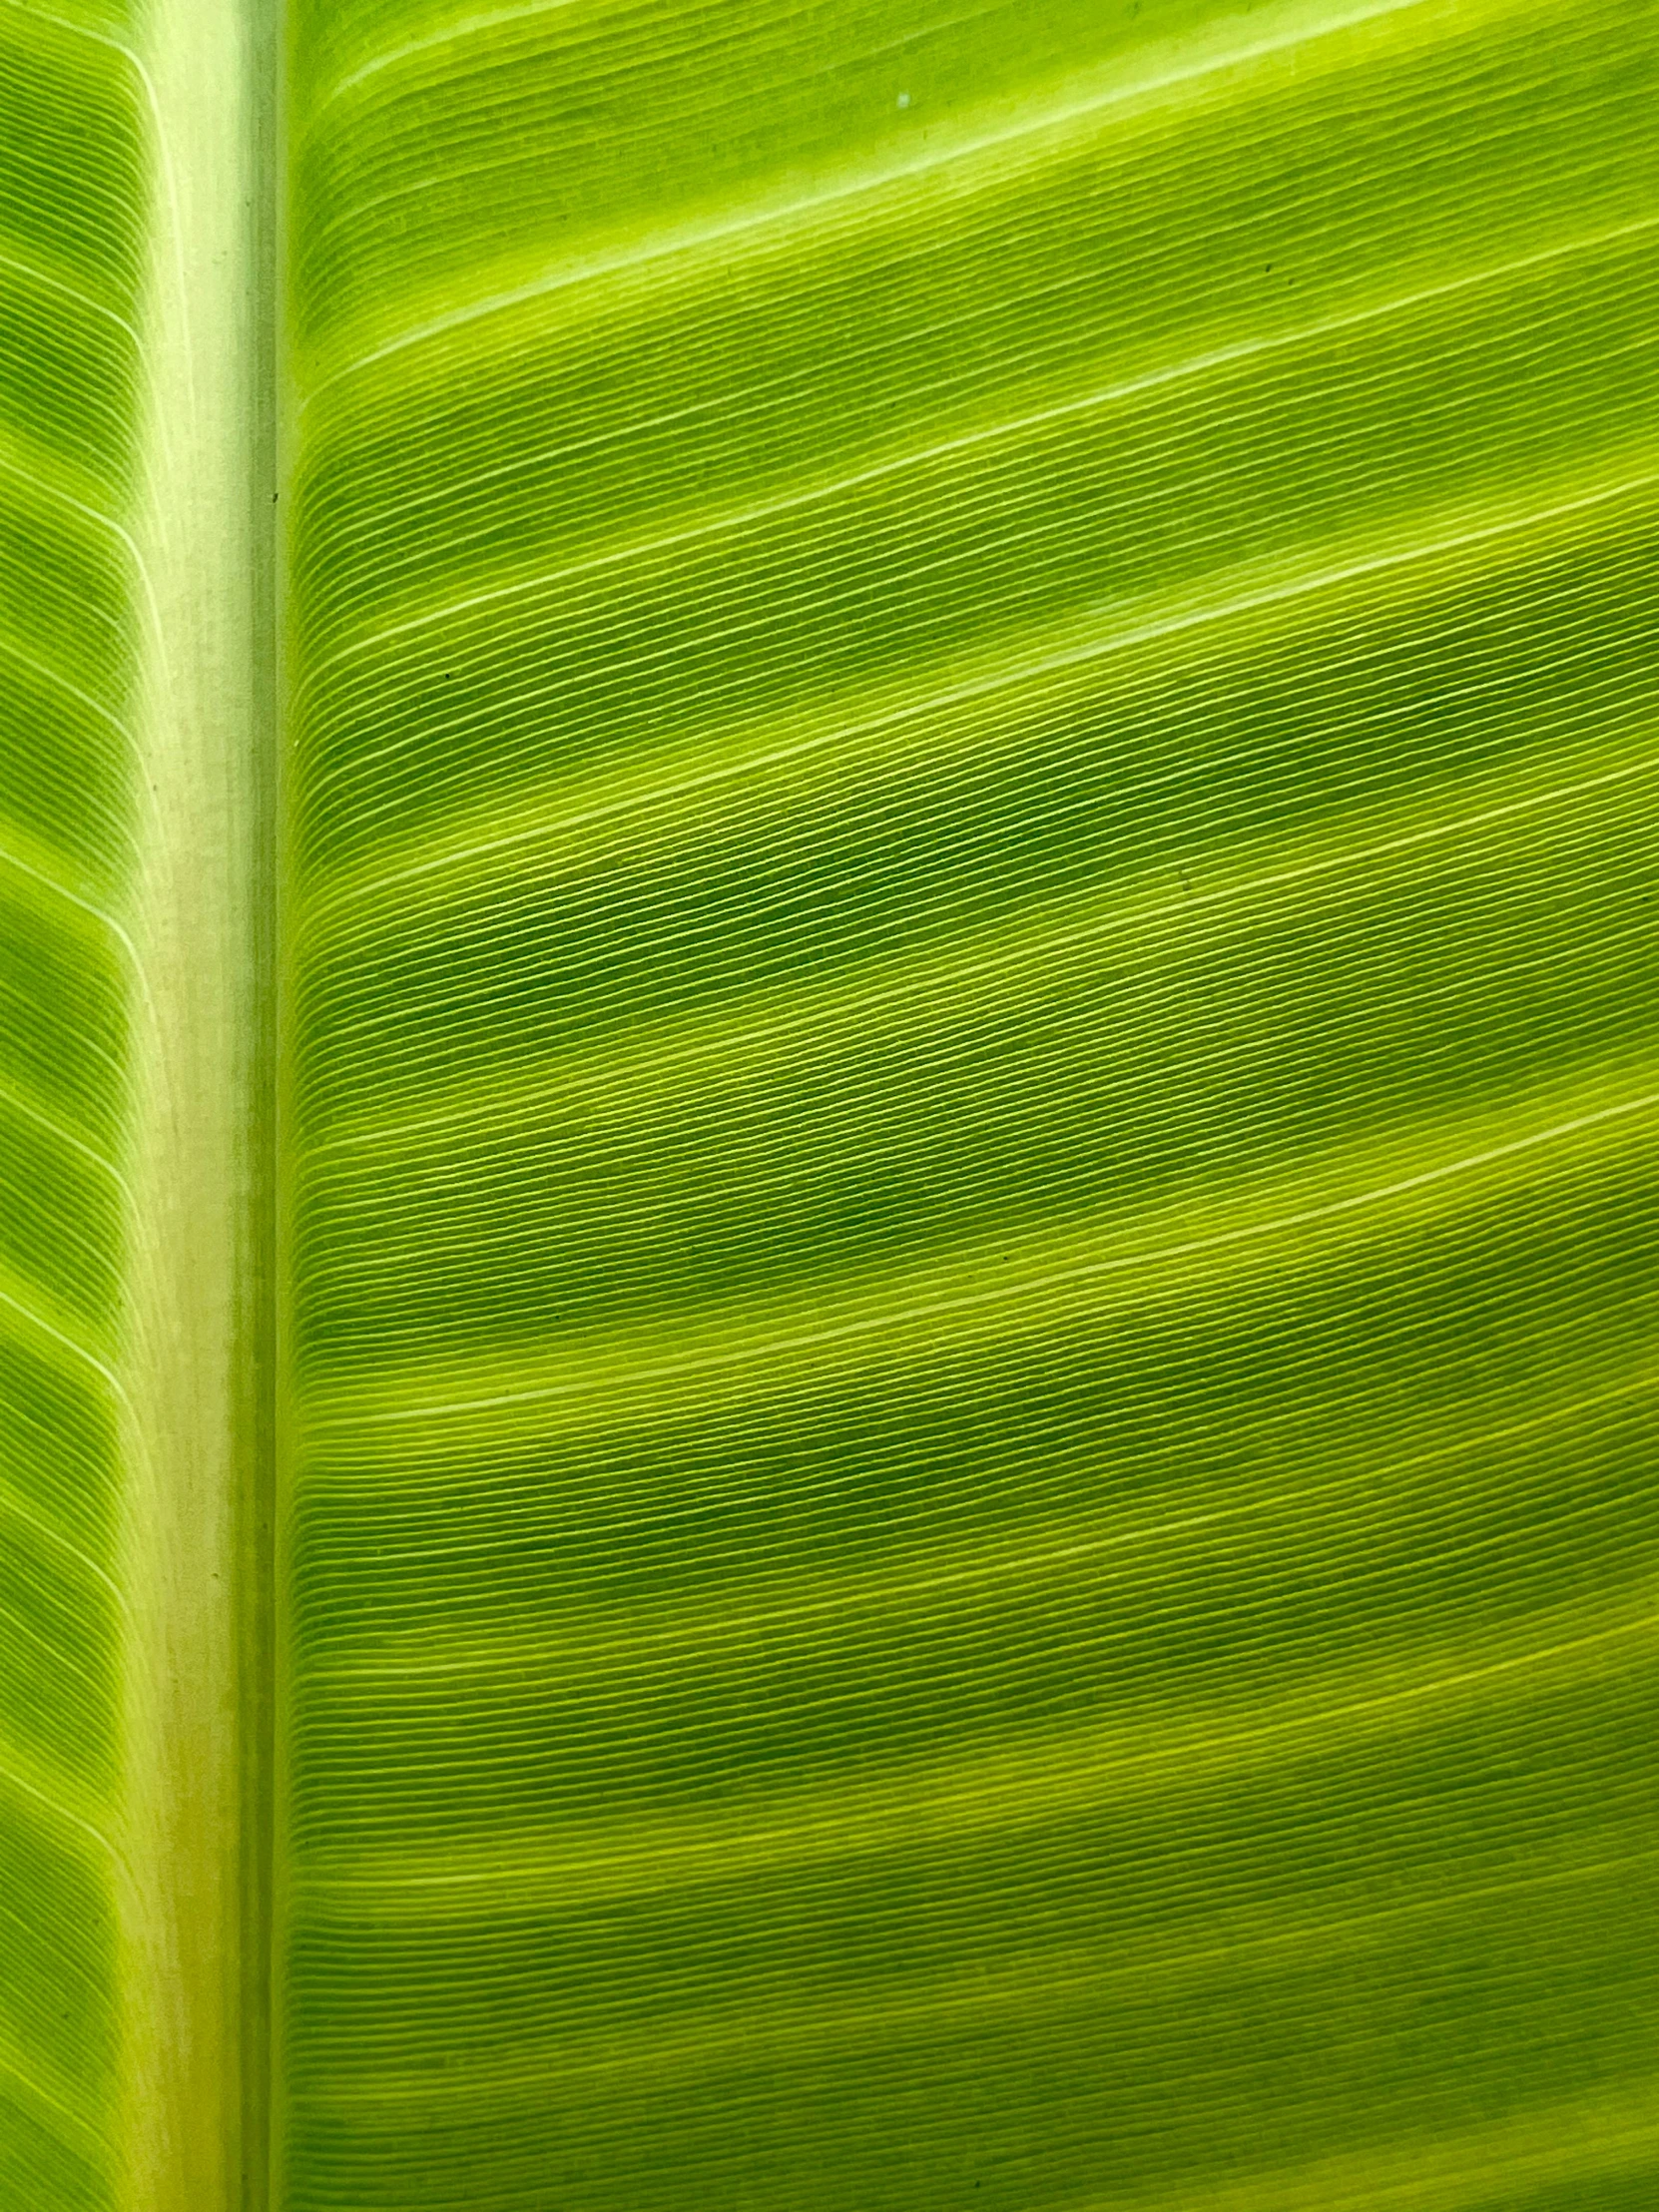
x: 474, y: 26
x: 977, y: 1301
x: 967, y: 441
x: 38, y: 275
x: 11, y: 1779
x: 1069, y: 1770
x: 164, y: 147
x: 658, y: 250
x: 701, y: 111
x: 72, y: 1345
x: 1594, y: 2153
x: 96, y: 515
x: 452, y: 34
x: 355, y: 890
x: 1062, y: 1978
x: 66, y: 685
x: 18, y: 1510
x: 97, y: 913
x: 503, y: 1106
x: 12, y: 1097
x: 76, y: 30
x: 504, y: 1656
x: 37, y: 482
x: 78, y: 2122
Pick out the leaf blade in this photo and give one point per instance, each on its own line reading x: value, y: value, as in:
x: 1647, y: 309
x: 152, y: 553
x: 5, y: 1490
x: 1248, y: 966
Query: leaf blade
x: 970, y: 1107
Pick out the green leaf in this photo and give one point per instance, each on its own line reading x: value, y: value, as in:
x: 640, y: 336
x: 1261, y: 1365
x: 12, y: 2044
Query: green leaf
x: 827, y: 1080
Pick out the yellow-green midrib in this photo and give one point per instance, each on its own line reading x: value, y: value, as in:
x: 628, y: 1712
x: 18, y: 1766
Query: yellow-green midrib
x: 972, y: 1078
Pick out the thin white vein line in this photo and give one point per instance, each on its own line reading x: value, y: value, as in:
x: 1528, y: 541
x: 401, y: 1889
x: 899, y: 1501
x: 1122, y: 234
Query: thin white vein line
x: 85, y: 698
x: 737, y: 620
x: 98, y: 913
x: 96, y: 515
x: 10, y: 1502
x: 66, y: 683
x: 164, y: 150
x: 759, y: 397
x: 820, y: 1824
x: 77, y: 30
x: 1009, y: 956
x: 717, y: 2030
x: 472, y: 26
x: 11, y: 1779
x: 663, y: 250
x: 52, y: 2101
x: 38, y: 275
x: 627, y: 1525
x: 595, y: 1670
x: 1591, y: 2158
x: 703, y: 114
x: 503, y: 1656
x: 355, y: 892
x: 18, y: 1509
x: 453, y: 34
x: 978, y: 1300
x: 76, y: 1668
x: 11, y: 1097
x: 1198, y: 364
x: 70, y: 1344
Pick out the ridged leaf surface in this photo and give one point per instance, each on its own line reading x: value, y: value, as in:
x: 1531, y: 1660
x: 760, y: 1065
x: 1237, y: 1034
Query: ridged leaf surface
x: 971, y: 1072
x: 70, y: 276
x: 950, y: 1302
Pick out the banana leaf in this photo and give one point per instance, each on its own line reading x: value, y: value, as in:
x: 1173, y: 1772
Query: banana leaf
x: 828, y: 1063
